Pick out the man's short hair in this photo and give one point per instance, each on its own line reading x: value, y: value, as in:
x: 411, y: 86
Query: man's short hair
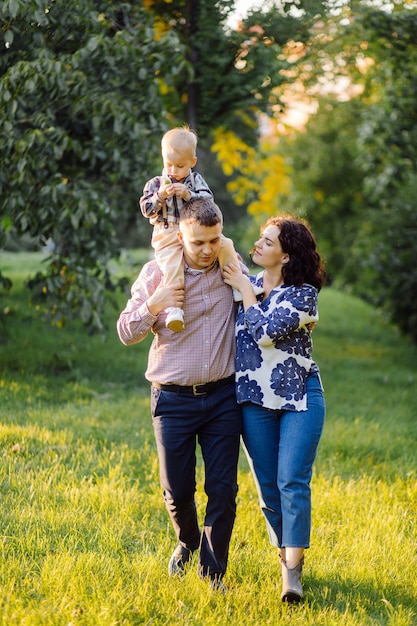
x: 202, y: 211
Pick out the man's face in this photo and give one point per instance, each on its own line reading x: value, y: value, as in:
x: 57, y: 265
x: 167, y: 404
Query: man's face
x: 201, y: 244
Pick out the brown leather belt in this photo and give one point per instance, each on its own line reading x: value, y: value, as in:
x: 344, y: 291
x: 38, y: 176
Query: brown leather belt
x: 196, y: 390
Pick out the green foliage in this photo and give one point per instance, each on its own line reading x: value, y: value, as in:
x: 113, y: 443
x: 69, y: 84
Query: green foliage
x: 354, y: 170
x: 234, y: 71
x: 236, y: 75
x: 388, y: 137
x: 387, y: 152
x: 86, y: 91
x: 387, y: 275
x: 327, y: 181
x: 79, y: 112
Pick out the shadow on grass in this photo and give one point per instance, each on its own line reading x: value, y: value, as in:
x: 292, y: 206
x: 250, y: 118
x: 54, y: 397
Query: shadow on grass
x: 367, y: 598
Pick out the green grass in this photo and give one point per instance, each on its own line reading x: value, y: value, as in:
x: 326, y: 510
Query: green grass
x: 84, y: 536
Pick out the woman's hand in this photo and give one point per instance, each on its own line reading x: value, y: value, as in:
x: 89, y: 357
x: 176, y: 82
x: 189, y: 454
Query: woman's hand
x: 233, y: 276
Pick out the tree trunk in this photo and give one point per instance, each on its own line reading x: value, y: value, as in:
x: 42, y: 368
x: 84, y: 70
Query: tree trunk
x: 192, y: 95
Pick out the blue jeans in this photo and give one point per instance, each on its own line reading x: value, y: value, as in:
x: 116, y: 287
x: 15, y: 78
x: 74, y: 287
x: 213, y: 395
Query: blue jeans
x: 281, y: 447
x: 214, y: 420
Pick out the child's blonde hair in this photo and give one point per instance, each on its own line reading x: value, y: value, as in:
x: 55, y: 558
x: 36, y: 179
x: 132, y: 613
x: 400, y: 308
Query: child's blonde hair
x: 180, y: 140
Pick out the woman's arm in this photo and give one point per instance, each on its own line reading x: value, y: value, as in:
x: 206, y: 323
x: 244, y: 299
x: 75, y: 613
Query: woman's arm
x: 288, y: 310
x: 234, y: 277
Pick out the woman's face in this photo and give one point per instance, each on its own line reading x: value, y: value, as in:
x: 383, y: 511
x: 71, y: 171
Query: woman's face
x: 268, y: 252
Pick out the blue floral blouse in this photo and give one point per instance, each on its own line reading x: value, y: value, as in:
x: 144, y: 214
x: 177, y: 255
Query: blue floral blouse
x: 274, y: 346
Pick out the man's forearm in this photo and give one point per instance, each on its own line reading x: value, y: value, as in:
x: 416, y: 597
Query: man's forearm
x: 133, y: 328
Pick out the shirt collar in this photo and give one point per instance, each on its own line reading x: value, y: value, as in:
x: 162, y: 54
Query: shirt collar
x: 194, y: 271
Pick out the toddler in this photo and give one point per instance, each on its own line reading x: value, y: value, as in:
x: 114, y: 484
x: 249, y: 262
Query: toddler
x: 161, y: 202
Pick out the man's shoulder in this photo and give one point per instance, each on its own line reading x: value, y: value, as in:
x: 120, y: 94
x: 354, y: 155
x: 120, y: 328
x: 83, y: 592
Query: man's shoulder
x: 151, y: 267
x: 150, y: 272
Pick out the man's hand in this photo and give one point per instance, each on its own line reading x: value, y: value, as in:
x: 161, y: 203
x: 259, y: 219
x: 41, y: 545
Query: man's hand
x: 164, y: 297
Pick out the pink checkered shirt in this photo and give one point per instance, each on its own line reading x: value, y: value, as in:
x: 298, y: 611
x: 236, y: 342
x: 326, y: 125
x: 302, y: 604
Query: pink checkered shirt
x: 205, y: 350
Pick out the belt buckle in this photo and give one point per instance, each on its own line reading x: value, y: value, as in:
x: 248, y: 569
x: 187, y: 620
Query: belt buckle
x: 198, y: 393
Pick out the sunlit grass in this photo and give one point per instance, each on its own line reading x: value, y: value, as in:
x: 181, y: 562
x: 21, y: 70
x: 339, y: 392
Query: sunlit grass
x: 84, y: 536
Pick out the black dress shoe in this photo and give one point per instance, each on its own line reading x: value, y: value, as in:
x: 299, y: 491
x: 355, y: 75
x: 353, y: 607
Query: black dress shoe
x: 179, y: 558
x: 216, y: 584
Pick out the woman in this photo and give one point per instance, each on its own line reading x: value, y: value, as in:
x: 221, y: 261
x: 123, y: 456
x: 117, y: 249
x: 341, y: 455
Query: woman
x: 278, y: 384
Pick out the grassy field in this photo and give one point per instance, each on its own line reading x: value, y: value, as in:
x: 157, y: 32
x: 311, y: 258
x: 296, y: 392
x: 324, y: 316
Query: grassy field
x: 84, y: 535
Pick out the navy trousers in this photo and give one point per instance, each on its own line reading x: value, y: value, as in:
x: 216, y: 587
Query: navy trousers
x: 214, y: 421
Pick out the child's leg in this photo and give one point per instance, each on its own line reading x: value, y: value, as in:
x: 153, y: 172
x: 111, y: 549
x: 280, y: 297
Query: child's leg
x: 227, y: 252
x: 169, y: 256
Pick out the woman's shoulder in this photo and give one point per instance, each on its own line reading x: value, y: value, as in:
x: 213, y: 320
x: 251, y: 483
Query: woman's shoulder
x: 300, y: 297
x: 297, y: 290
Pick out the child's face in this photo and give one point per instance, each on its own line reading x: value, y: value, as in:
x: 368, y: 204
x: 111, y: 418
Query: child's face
x: 176, y: 164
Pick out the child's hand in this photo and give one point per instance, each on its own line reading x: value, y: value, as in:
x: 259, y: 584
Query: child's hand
x: 169, y: 189
x: 179, y: 189
x: 163, y: 192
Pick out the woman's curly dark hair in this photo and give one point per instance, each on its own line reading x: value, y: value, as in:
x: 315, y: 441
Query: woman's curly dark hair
x: 305, y: 264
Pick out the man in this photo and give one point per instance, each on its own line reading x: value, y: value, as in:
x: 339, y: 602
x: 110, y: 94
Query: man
x: 192, y: 388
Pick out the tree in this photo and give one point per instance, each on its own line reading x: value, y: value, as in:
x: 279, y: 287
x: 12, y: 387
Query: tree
x: 80, y: 108
x: 354, y: 170
x: 388, y: 150
x: 86, y: 92
x: 326, y: 181
x: 236, y: 73
x: 258, y: 178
